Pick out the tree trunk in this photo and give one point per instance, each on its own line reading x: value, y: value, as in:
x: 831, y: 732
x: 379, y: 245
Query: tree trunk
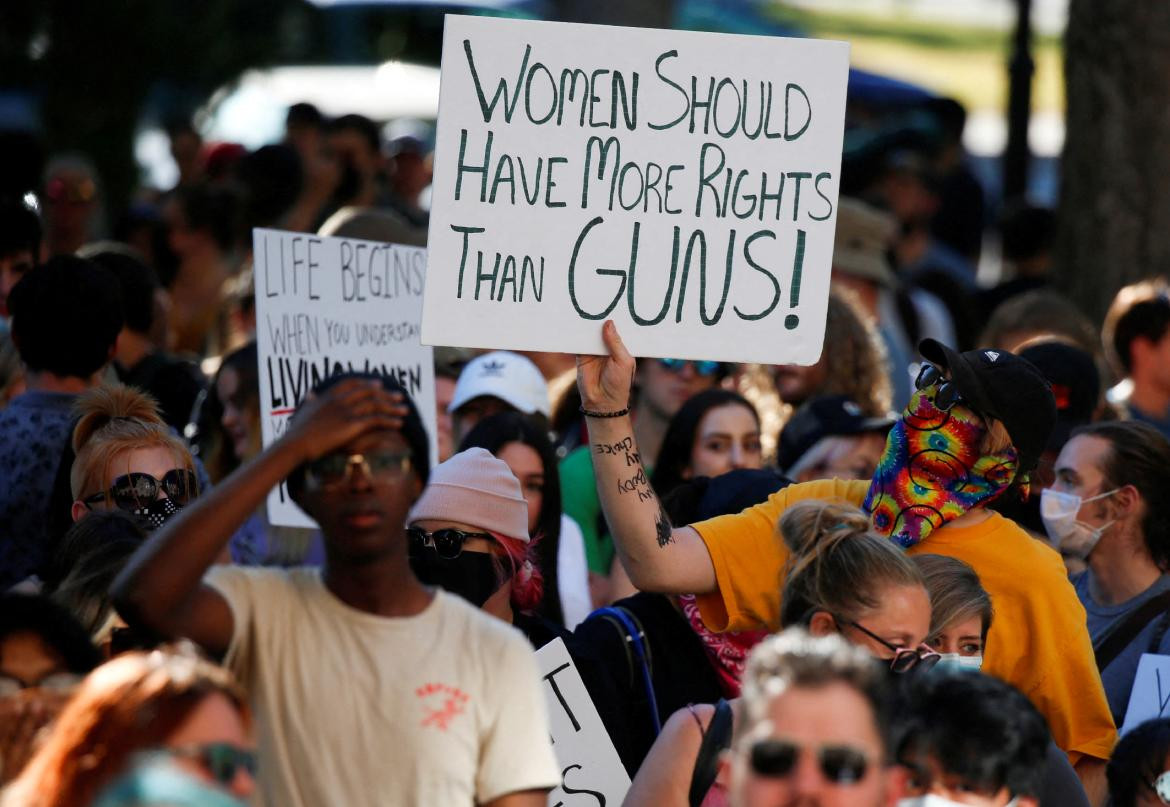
x: 1114, y: 223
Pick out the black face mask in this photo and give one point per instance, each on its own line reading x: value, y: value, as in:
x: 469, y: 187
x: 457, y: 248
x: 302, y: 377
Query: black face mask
x: 472, y: 575
x: 152, y: 516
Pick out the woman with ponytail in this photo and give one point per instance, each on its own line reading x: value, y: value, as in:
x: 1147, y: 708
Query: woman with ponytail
x: 841, y: 578
x: 128, y: 458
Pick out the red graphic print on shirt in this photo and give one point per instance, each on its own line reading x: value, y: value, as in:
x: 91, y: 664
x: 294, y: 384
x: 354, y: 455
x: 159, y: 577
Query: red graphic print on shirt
x: 441, y: 704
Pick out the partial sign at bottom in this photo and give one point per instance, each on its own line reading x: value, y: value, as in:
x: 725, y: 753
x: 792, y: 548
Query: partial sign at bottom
x: 591, y: 772
x: 1150, y: 697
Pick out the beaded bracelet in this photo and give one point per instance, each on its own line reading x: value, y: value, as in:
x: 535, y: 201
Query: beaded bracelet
x: 591, y: 414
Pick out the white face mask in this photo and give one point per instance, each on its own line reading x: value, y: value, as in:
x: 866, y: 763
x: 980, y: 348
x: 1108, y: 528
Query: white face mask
x: 1162, y: 787
x: 1058, y: 511
x: 954, y: 660
x: 931, y: 800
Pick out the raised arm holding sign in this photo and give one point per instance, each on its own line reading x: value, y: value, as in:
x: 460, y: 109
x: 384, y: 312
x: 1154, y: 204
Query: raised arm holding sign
x: 656, y: 556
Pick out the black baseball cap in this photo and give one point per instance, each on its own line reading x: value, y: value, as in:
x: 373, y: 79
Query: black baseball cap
x: 826, y: 416
x: 1076, y: 385
x: 1003, y: 386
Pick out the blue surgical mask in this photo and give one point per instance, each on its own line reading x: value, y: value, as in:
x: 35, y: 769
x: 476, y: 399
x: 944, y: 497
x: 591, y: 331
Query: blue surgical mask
x: 956, y: 662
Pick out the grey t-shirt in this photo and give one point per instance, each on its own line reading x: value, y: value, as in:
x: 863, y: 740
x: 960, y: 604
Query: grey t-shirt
x: 1118, y: 676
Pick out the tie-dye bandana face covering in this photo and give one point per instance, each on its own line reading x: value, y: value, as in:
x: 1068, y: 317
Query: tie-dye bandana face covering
x: 932, y: 471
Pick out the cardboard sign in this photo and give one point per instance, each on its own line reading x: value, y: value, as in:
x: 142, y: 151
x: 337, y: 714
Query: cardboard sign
x: 1150, y: 697
x: 331, y: 305
x: 683, y: 184
x: 590, y: 766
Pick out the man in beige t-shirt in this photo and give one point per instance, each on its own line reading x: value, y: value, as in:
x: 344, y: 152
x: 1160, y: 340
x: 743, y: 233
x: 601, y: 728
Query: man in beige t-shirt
x: 369, y: 688
x: 430, y: 707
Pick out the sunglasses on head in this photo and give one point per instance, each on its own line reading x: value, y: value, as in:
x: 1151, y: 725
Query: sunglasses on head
x: 904, y: 659
x: 840, y: 764
x: 222, y: 761
x: 333, y: 469
x: 946, y: 393
x: 131, y: 491
x: 447, y: 542
x: 702, y: 368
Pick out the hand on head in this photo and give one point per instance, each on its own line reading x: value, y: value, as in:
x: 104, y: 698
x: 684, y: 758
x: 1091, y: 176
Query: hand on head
x: 344, y: 412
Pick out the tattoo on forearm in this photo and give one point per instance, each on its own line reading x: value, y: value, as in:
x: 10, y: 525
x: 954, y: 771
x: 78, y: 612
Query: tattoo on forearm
x: 638, y: 483
x: 625, y: 445
x: 663, y: 527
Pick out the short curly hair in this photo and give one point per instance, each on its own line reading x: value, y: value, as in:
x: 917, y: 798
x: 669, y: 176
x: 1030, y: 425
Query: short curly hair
x: 975, y: 727
x: 66, y: 316
x: 795, y: 659
x: 854, y: 357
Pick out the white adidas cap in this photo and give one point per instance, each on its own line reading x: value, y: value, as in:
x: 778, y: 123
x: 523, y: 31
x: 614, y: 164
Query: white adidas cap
x: 505, y: 375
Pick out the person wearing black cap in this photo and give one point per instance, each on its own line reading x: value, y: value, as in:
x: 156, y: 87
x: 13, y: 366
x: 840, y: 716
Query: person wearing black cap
x: 831, y: 438
x: 1076, y: 388
x: 973, y: 430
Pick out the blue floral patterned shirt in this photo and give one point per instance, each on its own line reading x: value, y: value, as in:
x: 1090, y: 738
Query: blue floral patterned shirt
x: 34, y: 429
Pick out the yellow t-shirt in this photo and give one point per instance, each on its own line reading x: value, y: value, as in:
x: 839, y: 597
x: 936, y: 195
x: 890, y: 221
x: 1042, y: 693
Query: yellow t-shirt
x: 1038, y: 642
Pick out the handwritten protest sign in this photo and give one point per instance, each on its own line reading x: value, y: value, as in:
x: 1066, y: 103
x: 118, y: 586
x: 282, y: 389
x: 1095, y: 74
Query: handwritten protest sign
x: 683, y: 184
x: 1150, y: 697
x: 590, y: 765
x: 330, y: 305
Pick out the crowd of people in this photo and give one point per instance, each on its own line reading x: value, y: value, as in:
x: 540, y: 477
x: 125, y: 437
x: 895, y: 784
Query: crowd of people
x: 922, y: 571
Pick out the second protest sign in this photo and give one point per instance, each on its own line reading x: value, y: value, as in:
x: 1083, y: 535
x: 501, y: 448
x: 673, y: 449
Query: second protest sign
x: 325, y: 306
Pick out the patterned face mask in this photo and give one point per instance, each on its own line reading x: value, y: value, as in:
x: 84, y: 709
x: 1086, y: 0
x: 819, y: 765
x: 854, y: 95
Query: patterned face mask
x: 932, y: 471
x: 153, y: 515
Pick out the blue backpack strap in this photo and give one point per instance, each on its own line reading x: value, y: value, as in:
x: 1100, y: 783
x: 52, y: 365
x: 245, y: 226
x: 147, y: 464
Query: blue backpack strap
x: 636, y: 639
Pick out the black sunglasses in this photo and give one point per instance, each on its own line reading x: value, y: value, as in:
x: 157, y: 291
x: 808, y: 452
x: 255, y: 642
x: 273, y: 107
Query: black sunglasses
x: 222, y: 761
x: 447, y: 542
x: 332, y: 469
x: 946, y: 394
x: 904, y: 659
x: 131, y: 491
x: 840, y: 764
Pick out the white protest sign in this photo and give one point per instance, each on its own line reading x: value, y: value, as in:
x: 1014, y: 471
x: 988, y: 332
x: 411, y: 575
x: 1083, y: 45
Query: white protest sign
x: 683, y: 184
x: 1150, y: 697
x: 590, y: 766
x: 331, y: 305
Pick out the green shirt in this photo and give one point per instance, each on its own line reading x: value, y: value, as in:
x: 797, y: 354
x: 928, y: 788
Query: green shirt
x: 580, y: 502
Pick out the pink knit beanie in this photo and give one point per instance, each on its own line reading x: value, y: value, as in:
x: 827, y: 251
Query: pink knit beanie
x: 473, y: 487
